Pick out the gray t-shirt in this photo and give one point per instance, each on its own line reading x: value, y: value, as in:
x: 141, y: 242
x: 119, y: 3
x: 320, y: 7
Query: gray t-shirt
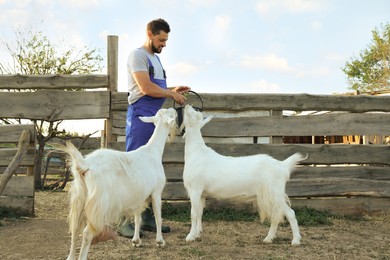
x: 138, y: 61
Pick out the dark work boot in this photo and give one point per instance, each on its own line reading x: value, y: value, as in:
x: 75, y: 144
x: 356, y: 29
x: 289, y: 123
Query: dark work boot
x: 149, y: 223
x: 127, y: 230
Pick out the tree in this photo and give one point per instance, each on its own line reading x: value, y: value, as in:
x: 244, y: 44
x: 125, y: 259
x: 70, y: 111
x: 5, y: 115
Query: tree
x: 34, y: 54
x: 371, y: 70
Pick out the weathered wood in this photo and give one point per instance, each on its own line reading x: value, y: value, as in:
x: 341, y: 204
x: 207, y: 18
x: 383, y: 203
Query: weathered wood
x: 7, y: 154
x: 294, y: 102
x: 174, y: 172
x: 21, y: 186
x: 344, y: 206
x: 357, y: 206
x: 319, y: 125
x: 317, y: 154
x: 314, y: 187
x: 112, y: 70
x: 11, y: 133
x: 18, y: 81
x: 52, y: 105
x: 24, y: 144
x: 20, y: 205
x: 334, y: 187
x: 19, y: 195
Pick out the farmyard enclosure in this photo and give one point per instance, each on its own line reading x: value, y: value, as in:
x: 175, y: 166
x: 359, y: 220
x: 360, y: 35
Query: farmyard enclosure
x: 339, y: 174
x: 46, y: 237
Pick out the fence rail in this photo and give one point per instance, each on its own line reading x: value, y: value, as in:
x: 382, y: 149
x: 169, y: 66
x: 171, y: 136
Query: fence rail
x: 343, y: 177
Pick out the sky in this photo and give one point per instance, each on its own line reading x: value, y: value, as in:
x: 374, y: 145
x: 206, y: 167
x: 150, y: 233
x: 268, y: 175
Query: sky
x: 217, y: 46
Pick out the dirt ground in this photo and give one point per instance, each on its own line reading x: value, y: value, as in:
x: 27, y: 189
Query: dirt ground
x: 46, y: 237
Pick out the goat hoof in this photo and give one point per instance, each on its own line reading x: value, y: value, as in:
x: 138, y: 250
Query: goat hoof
x: 190, y: 238
x: 295, y: 242
x: 136, y: 243
x: 267, y: 240
x: 160, y: 243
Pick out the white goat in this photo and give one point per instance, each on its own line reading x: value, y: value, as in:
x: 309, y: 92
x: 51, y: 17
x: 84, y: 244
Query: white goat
x: 257, y: 177
x: 109, y: 185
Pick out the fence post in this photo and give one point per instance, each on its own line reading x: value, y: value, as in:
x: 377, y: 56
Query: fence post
x: 112, y: 71
x: 276, y: 139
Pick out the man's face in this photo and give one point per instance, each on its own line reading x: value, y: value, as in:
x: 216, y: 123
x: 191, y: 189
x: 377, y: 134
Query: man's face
x: 158, y: 41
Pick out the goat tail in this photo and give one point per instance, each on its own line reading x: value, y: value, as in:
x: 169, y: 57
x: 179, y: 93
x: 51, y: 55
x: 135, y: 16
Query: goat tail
x: 291, y: 161
x: 78, y: 189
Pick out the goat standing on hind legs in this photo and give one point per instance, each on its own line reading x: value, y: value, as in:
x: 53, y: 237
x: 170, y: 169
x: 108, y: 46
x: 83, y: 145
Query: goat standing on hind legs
x: 111, y: 184
x: 257, y: 177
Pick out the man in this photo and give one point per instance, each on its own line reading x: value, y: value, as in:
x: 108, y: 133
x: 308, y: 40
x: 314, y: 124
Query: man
x: 147, y: 92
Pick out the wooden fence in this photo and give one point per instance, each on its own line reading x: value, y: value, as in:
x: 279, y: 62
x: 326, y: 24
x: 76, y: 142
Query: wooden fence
x: 19, y: 191
x: 345, y: 178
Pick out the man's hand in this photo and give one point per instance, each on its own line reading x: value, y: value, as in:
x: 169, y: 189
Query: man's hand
x: 181, y: 89
x: 178, y: 94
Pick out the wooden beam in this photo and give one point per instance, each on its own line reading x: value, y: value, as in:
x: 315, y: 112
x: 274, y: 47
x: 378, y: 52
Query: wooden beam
x: 53, y: 105
x: 21, y: 82
x: 294, y: 102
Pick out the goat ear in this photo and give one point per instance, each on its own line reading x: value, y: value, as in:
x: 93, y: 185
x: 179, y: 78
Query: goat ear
x: 206, y: 120
x: 147, y: 119
x: 171, y: 121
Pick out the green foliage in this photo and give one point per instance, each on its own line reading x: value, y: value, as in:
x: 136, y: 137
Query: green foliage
x: 312, y: 217
x: 305, y: 216
x: 34, y: 54
x: 371, y: 70
x: 8, y: 213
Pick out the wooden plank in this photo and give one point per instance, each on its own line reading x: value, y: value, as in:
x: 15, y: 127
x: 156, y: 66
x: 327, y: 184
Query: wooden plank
x: 317, y: 154
x: 21, y: 186
x: 332, y: 187
x: 174, y: 172
x: 357, y: 206
x: 18, y: 81
x: 294, y: 102
x: 52, y: 105
x: 319, y: 187
x: 311, y: 125
x: 21, y: 205
x: 344, y: 206
x: 7, y: 154
x: 357, y: 172
x: 318, y: 125
x: 11, y: 133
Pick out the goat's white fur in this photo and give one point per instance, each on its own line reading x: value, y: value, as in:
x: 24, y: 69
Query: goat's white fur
x: 109, y: 185
x: 257, y: 177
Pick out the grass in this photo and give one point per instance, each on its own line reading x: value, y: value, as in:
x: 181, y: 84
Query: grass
x: 305, y: 216
x: 8, y: 213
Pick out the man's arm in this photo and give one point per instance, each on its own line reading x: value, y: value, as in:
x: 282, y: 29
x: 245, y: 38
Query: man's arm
x: 149, y: 88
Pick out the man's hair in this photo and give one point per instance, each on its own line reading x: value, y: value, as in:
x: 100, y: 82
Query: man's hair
x: 158, y: 25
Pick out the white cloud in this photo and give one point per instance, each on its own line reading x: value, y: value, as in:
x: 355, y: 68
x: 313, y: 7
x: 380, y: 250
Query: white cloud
x: 335, y: 57
x: 271, y: 62
x: 222, y: 22
x: 15, y: 17
x: 264, y: 87
x: 182, y: 69
x: 268, y: 62
x: 77, y: 4
x: 204, y: 3
x: 316, y: 25
x: 274, y: 8
x: 219, y: 29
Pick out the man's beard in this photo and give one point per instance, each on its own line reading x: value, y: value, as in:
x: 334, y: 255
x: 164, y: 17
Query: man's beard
x: 154, y: 49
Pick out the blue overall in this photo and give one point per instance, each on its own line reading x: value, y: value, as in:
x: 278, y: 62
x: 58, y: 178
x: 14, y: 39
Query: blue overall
x: 138, y: 133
